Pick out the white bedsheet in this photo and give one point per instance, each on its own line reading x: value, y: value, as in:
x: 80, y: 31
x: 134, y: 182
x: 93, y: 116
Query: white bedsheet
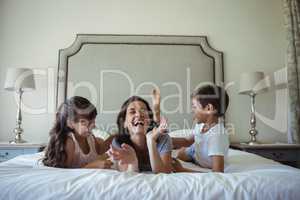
x: 247, y: 176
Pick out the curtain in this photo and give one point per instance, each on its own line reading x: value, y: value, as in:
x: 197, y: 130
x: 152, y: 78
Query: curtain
x: 292, y: 25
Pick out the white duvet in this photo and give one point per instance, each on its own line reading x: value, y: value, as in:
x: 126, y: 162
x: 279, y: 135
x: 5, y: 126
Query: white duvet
x: 247, y: 176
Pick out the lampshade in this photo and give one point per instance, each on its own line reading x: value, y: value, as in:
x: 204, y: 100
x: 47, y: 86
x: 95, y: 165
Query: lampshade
x: 19, y: 78
x: 253, y: 83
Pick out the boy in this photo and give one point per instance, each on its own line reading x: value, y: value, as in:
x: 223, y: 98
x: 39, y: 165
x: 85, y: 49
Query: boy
x: 209, y: 144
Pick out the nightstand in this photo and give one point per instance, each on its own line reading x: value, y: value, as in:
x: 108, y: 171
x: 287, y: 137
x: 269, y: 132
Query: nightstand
x: 288, y: 154
x: 9, y: 151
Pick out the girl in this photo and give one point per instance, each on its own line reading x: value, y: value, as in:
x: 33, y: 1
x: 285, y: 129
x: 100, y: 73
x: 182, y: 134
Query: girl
x: 140, y: 146
x: 71, y: 144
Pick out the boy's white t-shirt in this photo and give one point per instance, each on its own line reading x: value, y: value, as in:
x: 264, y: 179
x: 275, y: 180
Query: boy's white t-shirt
x: 213, y: 142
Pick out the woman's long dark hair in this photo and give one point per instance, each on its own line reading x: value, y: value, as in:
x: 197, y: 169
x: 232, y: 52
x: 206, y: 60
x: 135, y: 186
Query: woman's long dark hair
x: 123, y: 136
x: 72, y: 109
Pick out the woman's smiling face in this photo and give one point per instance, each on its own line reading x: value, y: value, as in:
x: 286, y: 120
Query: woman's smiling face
x: 137, y: 118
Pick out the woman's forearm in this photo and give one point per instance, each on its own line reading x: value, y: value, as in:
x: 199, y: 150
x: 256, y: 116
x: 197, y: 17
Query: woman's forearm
x: 157, y: 164
x: 156, y: 114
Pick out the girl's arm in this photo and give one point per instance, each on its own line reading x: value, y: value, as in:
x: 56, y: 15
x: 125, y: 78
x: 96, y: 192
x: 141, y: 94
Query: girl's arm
x: 103, y: 146
x: 70, y: 149
x: 99, y: 164
x: 217, y: 163
x: 108, y: 142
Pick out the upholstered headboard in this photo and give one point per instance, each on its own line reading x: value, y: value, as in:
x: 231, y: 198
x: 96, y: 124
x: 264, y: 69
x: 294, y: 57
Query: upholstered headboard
x: 107, y: 69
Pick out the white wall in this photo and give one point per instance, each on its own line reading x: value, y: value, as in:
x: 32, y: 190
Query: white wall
x: 249, y: 32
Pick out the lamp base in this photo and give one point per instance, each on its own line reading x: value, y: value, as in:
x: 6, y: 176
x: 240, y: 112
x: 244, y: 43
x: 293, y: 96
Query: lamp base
x: 253, y: 143
x: 18, y: 138
x: 17, y: 141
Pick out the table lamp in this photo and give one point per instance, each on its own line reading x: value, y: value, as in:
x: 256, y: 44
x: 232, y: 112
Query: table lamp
x: 19, y: 80
x: 251, y: 84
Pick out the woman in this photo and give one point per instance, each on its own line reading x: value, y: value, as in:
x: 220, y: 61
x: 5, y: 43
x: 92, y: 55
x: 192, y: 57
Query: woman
x: 141, y: 145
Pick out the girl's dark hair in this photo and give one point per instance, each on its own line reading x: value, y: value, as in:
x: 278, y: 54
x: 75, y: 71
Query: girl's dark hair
x: 72, y: 109
x: 214, y: 95
x: 123, y: 136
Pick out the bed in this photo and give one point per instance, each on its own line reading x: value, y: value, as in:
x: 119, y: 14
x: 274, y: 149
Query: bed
x: 248, y: 176
x: 109, y: 68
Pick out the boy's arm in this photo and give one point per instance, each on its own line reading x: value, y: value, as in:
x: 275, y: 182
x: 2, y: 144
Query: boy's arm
x: 179, y: 142
x: 217, y: 163
x: 217, y: 146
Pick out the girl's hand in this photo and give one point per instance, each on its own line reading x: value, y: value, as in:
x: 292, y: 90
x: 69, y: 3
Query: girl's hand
x: 102, y: 164
x: 161, y: 130
x: 125, y: 155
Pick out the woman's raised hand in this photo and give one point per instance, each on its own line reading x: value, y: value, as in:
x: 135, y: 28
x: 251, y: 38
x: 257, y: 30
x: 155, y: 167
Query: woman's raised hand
x: 156, y: 98
x: 163, y: 125
x: 161, y: 130
x: 156, y: 104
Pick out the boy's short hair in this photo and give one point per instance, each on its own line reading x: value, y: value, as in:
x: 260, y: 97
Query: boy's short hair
x: 214, y: 95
